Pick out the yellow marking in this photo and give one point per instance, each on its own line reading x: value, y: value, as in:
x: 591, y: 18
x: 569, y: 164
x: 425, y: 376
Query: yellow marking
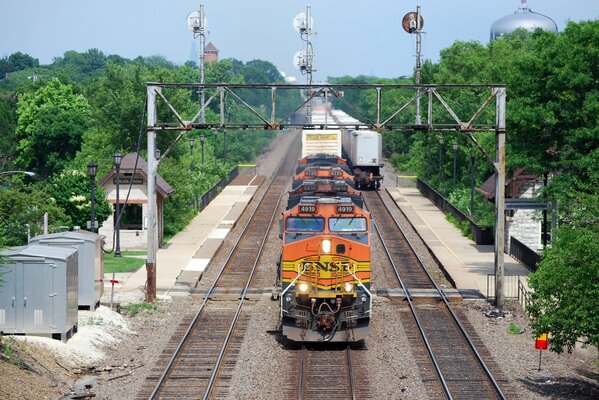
x: 315, y: 137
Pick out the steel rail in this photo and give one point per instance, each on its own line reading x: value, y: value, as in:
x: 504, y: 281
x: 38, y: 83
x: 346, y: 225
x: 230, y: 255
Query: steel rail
x: 416, y: 319
x: 445, y: 301
x: 302, y: 378
x: 223, y: 350
x: 350, y: 371
x: 207, y: 296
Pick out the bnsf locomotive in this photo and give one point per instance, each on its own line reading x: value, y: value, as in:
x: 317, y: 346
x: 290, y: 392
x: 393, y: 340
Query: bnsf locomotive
x: 325, y: 271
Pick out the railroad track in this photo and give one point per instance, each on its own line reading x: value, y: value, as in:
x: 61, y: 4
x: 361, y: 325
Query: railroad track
x: 441, y: 343
x: 199, y: 361
x: 331, y: 371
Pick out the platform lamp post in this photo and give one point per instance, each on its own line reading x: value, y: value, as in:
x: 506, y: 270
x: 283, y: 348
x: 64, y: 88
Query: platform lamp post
x: 441, y: 142
x: 92, y: 169
x: 455, y: 161
x: 202, y: 140
x: 225, y: 145
x: 472, y: 182
x: 117, y: 225
x: 192, y: 143
x: 215, y: 143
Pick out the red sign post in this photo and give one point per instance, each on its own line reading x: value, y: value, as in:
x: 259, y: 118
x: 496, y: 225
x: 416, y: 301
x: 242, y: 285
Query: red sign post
x: 541, y: 344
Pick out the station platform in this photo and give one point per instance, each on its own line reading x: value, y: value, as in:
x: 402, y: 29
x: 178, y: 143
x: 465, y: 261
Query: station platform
x: 181, y: 262
x: 466, y: 263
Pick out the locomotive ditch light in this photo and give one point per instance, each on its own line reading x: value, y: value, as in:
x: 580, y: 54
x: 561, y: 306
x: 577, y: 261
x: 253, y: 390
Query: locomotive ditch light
x: 326, y: 246
x: 348, y: 287
x: 303, y: 287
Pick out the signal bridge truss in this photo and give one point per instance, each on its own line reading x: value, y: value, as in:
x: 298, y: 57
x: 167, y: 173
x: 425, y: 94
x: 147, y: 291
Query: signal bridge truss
x: 388, y: 114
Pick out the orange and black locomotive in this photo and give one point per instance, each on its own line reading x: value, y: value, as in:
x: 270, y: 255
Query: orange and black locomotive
x: 325, y: 271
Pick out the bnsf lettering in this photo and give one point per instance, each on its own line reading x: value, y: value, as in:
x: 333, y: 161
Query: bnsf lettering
x: 325, y: 266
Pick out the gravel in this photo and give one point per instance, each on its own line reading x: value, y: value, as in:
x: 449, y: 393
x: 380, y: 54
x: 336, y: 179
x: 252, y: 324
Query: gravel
x: 263, y: 366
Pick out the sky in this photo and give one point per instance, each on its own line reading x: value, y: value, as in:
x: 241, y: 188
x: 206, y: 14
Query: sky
x: 352, y: 37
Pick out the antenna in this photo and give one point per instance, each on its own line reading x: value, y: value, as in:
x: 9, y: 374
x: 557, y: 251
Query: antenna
x: 197, y: 22
x: 303, y: 60
x: 413, y: 23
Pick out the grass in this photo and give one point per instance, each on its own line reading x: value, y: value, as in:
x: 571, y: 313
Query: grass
x: 134, y: 308
x: 128, y: 253
x: 514, y: 329
x: 122, y: 264
x: 8, y: 353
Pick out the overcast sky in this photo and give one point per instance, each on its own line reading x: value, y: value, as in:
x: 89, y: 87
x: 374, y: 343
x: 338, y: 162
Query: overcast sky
x: 353, y: 37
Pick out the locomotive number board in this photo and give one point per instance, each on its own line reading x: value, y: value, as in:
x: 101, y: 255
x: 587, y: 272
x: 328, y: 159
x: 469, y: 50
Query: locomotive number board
x: 345, y: 209
x: 307, y: 209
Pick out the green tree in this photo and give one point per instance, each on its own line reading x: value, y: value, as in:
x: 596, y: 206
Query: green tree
x: 565, y: 297
x: 24, y: 205
x: 50, y: 126
x: 71, y: 191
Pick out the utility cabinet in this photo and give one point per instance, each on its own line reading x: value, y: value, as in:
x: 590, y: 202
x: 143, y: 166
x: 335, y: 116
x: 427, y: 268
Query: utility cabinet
x: 39, y: 291
x: 90, y: 260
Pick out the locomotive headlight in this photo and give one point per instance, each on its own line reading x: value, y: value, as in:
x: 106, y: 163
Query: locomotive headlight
x: 348, y: 287
x: 326, y: 246
x: 303, y: 287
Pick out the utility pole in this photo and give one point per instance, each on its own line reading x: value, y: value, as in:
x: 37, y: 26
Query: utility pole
x: 500, y: 94
x: 197, y: 22
x: 304, y: 60
x: 152, y: 168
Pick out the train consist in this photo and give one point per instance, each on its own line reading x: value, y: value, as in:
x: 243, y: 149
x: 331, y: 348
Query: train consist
x: 324, y: 271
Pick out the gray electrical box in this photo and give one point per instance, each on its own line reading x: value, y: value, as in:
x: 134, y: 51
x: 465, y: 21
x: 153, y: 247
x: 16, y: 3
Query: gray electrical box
x: 91, y: 262
x: 39, y: 291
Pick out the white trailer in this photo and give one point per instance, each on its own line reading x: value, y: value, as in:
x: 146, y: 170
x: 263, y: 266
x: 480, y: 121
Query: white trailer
x: 321, y: 142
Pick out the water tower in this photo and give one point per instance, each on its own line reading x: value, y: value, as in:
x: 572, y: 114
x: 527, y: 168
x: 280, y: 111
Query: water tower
x: 523, y: 18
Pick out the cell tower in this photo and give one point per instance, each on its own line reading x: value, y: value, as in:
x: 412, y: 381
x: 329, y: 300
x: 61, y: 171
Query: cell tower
x: 413, y: 23
x: 198, y: 24
x: 303, y: 59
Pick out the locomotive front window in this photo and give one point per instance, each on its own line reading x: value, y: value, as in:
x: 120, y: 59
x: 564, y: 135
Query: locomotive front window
x: 348, y: 224
x: 304, y: 224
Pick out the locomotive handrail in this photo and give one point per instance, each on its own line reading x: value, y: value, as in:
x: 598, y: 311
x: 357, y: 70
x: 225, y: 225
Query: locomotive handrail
x: 365, y: 289
x: 292, y: 283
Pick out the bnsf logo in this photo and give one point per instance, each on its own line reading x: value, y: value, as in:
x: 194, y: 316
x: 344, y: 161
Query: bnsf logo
x: 332, y: 266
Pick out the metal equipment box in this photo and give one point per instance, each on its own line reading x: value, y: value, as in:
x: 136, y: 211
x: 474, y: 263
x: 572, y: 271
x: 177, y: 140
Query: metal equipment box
x: 39, y: 291
x: 90, y: 260
x: 321, y: 142
x: 364, y: 148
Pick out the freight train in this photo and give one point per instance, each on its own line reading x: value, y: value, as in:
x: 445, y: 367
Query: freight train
x: 323, y: 279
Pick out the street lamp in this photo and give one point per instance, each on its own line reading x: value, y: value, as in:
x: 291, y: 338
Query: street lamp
x: 92, y: 169
x: 472, y: 182
x: 441, y: 142
x: 202, y: 140
x: 455, y: 160
x: 215, y: 143
x: 117, y: 225
x: 225, y: 145
x: 192, y: 143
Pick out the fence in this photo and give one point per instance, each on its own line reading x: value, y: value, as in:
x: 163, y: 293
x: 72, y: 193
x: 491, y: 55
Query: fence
x: 524, y: 254
x: 523, y: 296
x: 211, y: 194
x: 511, y: 285
x: 481, y: 234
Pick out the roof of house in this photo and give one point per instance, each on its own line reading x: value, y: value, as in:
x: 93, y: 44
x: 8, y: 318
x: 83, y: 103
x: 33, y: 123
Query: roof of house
x: 210, y: 47
x: 520, y: 176
x: 128, y: 166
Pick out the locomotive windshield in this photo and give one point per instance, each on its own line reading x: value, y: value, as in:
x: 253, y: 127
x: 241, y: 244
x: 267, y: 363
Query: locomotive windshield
x: 304, y: 224
x: 345, y: 224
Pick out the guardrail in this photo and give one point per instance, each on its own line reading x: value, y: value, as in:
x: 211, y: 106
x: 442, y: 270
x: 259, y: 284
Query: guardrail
x: 523, y: 296
x: 211, y: 194
x: 481, y: 234
x: 524, y: 254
